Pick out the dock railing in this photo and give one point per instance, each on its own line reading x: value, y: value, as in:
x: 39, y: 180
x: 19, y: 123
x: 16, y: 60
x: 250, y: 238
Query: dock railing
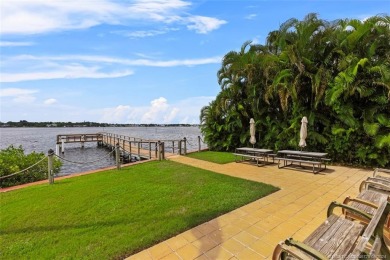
x: 132, y: 146
x: 148, y: 148
x: 77, y: 138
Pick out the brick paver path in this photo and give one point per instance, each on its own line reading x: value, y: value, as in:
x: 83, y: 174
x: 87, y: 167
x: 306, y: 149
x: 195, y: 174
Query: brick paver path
x: 252, y: 231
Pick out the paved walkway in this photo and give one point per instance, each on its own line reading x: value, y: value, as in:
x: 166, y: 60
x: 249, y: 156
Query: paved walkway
x: 252, y: 231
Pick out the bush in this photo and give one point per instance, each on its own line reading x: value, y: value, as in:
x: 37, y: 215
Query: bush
x: 336, y: 73
x: 14, y: 159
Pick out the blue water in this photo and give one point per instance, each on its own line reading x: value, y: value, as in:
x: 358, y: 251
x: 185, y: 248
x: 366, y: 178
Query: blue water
x: 43, y: 139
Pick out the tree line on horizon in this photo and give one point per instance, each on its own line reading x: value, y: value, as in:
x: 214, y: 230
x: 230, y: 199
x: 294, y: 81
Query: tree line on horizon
x: 25, y: 123
x: 336, y: 73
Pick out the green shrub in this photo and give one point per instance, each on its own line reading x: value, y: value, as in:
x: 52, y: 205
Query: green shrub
x: 335, y: 73
x: 14, y: 159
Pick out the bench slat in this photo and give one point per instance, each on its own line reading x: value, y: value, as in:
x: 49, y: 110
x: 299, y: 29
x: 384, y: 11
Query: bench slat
x: 350, y: 240
x: 248, y: 155
x: 335, y: 235
x: 380, y: 179
x: 369, y: 231
x: 336, y: 232
x: 369, y: 196
x: 245, y: 155
x: 296, y: 160
x: 333, y: 243
x: 316, y: 235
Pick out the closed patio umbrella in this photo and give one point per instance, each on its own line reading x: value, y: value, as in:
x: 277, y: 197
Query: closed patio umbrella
x: 252, y: 131
x: 303, y: 133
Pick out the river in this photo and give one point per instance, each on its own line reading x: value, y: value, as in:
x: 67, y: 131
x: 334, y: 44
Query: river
x: 43, y: 139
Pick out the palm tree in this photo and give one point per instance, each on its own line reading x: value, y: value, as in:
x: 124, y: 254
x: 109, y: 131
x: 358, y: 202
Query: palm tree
x: 336, y: 73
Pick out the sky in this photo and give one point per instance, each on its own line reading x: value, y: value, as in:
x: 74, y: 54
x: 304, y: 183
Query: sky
x: 134, y: 61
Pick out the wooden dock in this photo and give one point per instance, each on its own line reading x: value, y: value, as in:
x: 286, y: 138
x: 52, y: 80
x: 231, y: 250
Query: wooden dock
x: 141, y: 149
x: 129, y: 147
x: 79, y: 138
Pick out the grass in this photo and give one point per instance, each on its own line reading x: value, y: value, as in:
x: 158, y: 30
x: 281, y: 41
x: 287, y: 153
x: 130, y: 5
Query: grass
x: 215, y: 157
x: 113, y: 214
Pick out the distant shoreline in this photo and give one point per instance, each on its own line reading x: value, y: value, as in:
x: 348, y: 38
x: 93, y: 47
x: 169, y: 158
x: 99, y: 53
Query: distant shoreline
x: 24, y: 123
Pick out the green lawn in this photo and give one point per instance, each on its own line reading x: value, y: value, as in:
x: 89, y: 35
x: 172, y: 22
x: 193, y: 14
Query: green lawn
x: 113, y: 214
x: 215, y: 157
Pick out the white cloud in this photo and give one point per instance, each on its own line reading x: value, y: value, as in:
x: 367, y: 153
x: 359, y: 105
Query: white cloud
x: 160, y: 10
x: 19, y: 95
x: 171, y: 115
x: 50, y: 101
x: 65, y: 73
x: 15, y: 92
x: 38, y: 16
x: 115, y: 114
x: 158, y: 111
x: 203, y: 25
x: 145, y: 33
x: 251, y: 16
x: 79, y: 66
x: 105, y: 59
x: 190, y: 109
x: 15, y: 44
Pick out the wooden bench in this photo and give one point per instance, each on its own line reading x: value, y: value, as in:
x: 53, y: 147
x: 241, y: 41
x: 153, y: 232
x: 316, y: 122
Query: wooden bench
x: 367, y: 201
x: 371, y: 191
x: 377, y: 171
x: 378, y: 182
x: 341, y: 238
x: 286, y: 161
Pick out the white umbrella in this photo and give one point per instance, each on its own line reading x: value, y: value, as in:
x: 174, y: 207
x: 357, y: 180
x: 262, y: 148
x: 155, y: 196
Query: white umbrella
x: 252, y: 130
x: 303, y: 133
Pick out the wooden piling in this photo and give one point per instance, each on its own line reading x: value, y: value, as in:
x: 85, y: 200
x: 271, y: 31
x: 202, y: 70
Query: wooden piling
x: 117, y: 156
x: 50, y: 175
x: 185, y: 145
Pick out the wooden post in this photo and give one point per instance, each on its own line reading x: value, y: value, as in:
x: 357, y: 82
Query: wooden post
x: 185, y: 145
x: 63, y: 144
x: 139, y: 149
x: 130, y: 147
x: 198, y: 143
x: 117, y: 155
x: 163, y: 150
x: 155, y: 153
x: 150, y: 150
x: 58, y: 147
x: 159, y: 150
x: 179, y: 147
x: 50, y: 175
x: 173, y: 147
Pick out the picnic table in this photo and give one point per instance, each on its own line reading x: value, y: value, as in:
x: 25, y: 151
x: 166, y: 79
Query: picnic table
x: 253, y: 154
x: 289, y: 157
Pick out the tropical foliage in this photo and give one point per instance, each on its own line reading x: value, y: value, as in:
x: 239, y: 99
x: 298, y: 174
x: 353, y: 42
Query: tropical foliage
x: 13, y: 160
x: 336, y: 73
